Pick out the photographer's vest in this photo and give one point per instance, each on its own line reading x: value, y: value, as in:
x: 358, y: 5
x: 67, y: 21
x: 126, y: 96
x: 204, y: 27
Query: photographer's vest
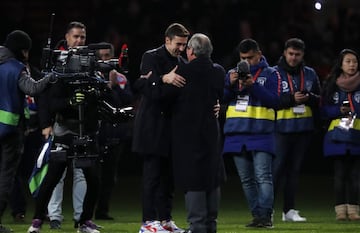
x: 11, y: 102
x: 256, y: 119
x: 297, y: 118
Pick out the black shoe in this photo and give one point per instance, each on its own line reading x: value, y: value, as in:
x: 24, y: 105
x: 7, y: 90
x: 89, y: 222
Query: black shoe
x: 19, y: 218
x: 103, y: 217
x: 260, y: 223
x: 76, y: 224
x: 4, y: 229
x: 265, y: 223
x: 55, y: 224
x: 254, y: 223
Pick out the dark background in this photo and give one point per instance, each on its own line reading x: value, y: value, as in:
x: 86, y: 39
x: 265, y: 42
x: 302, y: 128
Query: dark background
x: 141, y: 24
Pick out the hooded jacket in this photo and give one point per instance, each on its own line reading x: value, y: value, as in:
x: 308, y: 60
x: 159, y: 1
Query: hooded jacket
x: 15, y: 82
x: 253, y: 128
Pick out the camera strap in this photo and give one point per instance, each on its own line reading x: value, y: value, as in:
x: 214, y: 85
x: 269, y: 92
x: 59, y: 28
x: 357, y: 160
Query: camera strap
x: 351, y: 102
x: 254, y: 77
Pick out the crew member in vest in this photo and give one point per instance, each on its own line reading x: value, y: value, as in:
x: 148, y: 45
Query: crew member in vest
x: 15, y: 82
x: 341, y: 106
x: 249, y: 128
x: 294, y: 123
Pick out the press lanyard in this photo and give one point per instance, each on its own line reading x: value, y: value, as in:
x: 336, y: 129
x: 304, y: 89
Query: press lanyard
x: 254, y: 77
x: 291, y: 84
x: 351, y: 103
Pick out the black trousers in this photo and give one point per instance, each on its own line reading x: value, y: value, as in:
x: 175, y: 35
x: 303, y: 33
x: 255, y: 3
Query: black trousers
x: 11, y: 149
x: 202, y: 210
x: 158, y: 188
x: 108, y: 173
x: 55, y: 171
x: 346, y: 179
x: 32, y: 144
x: 291, y: 150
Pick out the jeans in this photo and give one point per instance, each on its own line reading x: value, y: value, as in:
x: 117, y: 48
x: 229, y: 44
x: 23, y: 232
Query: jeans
x: 290, y: 153
x: 78, y: 194
x: 255, y: 171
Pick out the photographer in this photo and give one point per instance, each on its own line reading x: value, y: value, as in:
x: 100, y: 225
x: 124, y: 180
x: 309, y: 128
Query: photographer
x: 69, y: 113
x: 15, y: 82
x: 112, y: 134
x: 249, y: 129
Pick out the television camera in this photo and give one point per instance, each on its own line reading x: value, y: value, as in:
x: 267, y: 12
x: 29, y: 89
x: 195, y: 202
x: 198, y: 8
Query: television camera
x: 80, y: 70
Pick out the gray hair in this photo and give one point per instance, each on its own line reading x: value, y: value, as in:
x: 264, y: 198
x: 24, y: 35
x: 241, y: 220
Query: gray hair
x: 201, y: 45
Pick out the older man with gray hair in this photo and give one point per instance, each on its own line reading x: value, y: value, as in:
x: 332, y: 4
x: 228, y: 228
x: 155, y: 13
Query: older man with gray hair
x: 196, y: 135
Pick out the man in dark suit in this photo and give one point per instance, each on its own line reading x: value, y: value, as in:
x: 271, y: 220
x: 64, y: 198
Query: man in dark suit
x: 151, y: 138
x: 196, y: 146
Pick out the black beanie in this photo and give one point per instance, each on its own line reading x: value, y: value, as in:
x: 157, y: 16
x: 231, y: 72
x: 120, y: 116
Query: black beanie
x: 16, y: 41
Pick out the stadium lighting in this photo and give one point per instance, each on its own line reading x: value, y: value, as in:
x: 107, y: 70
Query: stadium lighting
x: 318, y: 5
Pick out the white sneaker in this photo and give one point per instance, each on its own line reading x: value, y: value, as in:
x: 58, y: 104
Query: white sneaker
x: 33, y: 229
x: 171, y: 226
x: 35, y: 226
x: 88, y: 227
x: 292, y: 216
x: 151, y: 227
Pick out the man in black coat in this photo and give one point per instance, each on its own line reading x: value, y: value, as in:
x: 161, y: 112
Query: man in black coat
x: 151, y: 139
x: 196, y: 145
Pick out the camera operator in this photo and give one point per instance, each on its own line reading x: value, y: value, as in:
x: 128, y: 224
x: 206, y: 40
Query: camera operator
x: 75, y: 36
x: 15, y: 82
x: 112, y: 134
x: 59, y: 111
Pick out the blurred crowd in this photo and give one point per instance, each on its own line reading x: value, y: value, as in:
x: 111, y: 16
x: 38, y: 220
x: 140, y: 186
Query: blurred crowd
x: 140, y: 24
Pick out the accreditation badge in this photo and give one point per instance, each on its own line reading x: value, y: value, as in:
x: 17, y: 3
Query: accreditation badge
x: 347, y: 122
x: 242, y: 103
x: 299, y: 109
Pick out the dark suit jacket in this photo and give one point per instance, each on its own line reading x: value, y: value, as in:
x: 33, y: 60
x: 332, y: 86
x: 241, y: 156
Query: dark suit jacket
x: 196, y: 145
x: 152, y: 121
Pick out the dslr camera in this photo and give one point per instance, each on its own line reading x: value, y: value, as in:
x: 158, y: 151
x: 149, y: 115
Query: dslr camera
x: 243, y: 69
